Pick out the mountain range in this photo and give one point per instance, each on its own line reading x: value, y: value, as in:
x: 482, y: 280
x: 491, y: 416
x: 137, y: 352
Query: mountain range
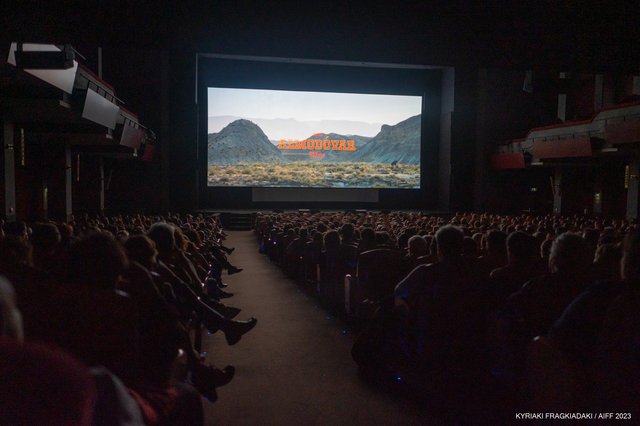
x: 290, y: 128
x: 244, y: 141
x: 241, y: 141
x: 399, y: 143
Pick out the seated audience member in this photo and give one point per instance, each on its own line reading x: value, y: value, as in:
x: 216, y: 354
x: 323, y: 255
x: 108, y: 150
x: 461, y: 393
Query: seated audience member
x: 443, y: 319
x: 417, y: 248
x: 122, y: 235
x: 161, y: 334
x: 96, y: 322
x: 606, y: 262
x: 545, y: 251
x: 451, y: 267
x: 43, y: 386
x: 442, y: 286
x: 17, y: 229
x: 496, y: 255
x: 347, y: 234
x: 45, y: 240
x: 607, y: 236
x: 367, y: 240
x: 192, y: 250
x: 432, y: 252
x: 577, y: 330
x: 469, y: 248
x: 142, y: 250
x: 522, y: 265
x: 533, y: 309
x: 73, y: 394
x: 170, y: 258
x: 591, y: 236
x: 33, y: 287
x: 617, y: 371
x: 106, y: 327
x: 383, y: 240
x: 311, y: 255
x: 221, y: 260
x: 329, y: 257
x: 16, y: 259
x: 348, y: 250
x: 183, y: 267
x: 294, y: 251
x: 190, y: 297
x: 10, y: 316
x: 29, y: 371
x: 286, y: 239
x: 403, y: 239
x: 478, y: 238
x: 114, y: 404
x: 187, y: 270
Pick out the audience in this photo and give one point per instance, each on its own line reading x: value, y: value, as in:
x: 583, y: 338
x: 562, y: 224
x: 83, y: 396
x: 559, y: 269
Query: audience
x: 454, y: 303
x: 10, y: 316
x: 466, y: 314
x: 522, y: 259
x: 616, y: 354
x: 110, y: 298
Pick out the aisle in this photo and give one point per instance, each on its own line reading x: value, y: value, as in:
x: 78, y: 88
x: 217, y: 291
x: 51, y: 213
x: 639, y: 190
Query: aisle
x: 295, y: 367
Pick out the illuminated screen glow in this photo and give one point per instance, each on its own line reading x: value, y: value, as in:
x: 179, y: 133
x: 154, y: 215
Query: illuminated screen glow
x: 279, y: 138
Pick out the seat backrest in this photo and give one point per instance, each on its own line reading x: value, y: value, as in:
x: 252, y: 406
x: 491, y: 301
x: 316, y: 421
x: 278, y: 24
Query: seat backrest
x: 447, y: 313
x: 378, y: 271
x: 43, y: 385
x: 349, y: 255
x: 550, y: 380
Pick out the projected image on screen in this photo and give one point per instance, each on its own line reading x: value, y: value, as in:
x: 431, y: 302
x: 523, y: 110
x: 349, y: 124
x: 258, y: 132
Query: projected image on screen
x: 277, y: 138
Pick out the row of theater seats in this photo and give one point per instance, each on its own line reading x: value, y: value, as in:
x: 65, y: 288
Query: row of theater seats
x: 342, y: 272
x: 479, y: 314
x: 102, y: 319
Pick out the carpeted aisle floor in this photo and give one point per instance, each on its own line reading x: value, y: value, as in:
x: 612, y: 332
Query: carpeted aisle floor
x: 295, y: 367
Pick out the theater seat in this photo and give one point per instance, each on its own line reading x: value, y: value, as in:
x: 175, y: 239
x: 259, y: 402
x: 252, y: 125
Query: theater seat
x: 377, y: 273
x: 41, y: 385
x: 345, y: 264
x: 550, y: 380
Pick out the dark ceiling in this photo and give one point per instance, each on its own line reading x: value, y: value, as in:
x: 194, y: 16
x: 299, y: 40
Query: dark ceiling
x: 558, y: 34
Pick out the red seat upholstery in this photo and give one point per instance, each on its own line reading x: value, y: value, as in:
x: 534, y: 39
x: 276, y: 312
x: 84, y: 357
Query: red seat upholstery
x: 41, y: 385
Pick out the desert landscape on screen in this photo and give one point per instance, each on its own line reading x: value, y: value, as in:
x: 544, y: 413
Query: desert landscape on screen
x: 358, y: 151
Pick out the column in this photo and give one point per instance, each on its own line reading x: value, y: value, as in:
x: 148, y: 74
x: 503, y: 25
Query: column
x: 101, y: 185
x: 562, y: 96
x: 9, y: 171
x: 45, y: 198
x: 557, y: 190
x: 597, y: 195
x: 68, y: 169
x: 598, y: 92
x: 632, y: 189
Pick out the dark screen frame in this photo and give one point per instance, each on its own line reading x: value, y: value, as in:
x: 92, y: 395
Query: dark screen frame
x: 323, y: 77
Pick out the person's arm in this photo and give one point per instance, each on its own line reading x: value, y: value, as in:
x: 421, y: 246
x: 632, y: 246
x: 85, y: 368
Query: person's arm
x: 410, y: 283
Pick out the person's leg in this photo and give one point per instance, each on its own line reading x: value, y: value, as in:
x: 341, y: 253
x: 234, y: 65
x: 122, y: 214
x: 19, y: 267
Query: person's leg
x: 232, y: 329
x: 226, y: 249
x: 224, y: 262
x: 211, y: 318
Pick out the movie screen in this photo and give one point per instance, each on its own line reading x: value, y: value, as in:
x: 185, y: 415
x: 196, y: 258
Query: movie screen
x: 278, y: 138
